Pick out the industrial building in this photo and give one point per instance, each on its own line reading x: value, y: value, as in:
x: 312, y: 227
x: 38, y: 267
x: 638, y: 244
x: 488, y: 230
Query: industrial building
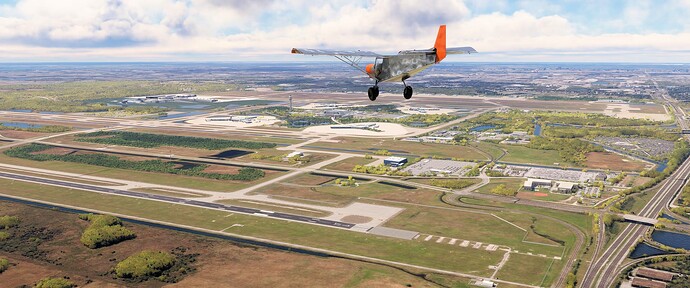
x: 532, y: 184
x: 395, y: 161
x: 439, y: 167
x: 565, y: 187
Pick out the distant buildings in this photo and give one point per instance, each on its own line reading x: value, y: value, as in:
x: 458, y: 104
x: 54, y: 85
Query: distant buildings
x: 532, y: 184
x: 515, y: 138
x: 168, y: 98
x: 395, y: 161
x: 439, y: 167
x: 363, y: 126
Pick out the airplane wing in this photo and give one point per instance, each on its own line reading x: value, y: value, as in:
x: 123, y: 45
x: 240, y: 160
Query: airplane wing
x: 357, y: 53
x: 460, y: 50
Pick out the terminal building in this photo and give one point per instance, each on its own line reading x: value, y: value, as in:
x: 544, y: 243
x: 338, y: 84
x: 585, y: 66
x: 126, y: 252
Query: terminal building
x: 395, y: 161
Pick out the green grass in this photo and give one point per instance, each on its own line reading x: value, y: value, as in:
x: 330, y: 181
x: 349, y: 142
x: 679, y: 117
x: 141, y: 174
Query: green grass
x: 514, y: 184
x: 489, y: 148
x: 276, y: 207
x: 413, y: 252
x: 347, y: 164
x: 525, y: 269
x: 638, y: 201
x: 139, y: 176
x: 551, y: 197
x: 473, y: 226
x: 364, y: 145
x: 521, y: 154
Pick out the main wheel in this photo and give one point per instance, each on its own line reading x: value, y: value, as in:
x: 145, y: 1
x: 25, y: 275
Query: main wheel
x: 373, y: 93
x: 407, y: 93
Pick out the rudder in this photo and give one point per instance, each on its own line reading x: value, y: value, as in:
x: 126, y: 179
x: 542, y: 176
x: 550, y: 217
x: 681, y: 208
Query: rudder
x: 440, y: 44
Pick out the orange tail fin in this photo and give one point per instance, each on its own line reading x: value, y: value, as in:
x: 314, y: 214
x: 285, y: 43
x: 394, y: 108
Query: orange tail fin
x: 440, y: 44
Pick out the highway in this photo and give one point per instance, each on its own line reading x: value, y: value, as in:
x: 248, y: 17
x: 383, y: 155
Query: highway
x: 603, y: 271
x: 175, y: 200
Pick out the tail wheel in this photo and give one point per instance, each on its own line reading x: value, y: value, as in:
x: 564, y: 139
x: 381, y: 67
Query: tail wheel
x: 407, y: 93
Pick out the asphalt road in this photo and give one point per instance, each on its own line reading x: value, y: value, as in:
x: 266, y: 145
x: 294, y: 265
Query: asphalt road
x: 604, y: 270
x: 169, y: 199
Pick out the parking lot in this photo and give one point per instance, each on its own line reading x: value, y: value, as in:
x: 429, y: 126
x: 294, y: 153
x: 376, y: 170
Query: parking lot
x: 436, y: 167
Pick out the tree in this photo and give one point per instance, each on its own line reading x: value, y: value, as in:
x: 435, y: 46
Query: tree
x: 144, y: 264
x: 502, y: 189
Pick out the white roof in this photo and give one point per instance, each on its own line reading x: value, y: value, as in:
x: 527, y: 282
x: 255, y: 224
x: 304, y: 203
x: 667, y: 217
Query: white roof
x: 566, y: 185
x: 395, y: 159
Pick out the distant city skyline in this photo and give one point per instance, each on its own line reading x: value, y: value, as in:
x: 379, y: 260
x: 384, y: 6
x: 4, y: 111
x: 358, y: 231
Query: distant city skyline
x: 265, y: 30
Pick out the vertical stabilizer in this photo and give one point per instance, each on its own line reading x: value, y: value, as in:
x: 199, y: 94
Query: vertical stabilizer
x: 440, y: 44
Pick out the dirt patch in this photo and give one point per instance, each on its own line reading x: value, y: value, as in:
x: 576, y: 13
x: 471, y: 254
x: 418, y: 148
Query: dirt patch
x: 356, y: 219
x: 220, y: 263
x: 20, y: 134
x: 222, y: 169
x: 608, y: 160
x: 531, y: 194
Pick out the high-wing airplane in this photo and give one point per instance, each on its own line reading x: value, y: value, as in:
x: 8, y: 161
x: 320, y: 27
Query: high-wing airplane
x: 397, y: 67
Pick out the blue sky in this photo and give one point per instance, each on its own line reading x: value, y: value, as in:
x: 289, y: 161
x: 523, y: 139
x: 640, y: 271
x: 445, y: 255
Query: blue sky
x: 237, y: 30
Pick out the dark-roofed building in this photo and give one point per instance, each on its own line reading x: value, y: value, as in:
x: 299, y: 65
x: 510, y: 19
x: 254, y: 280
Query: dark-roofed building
x: 655, y: 274
x: 646, y: 283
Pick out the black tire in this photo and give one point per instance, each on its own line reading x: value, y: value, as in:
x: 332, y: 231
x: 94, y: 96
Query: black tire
x: 376, y: 92
x: 372, y: 93
x: 407, y: 93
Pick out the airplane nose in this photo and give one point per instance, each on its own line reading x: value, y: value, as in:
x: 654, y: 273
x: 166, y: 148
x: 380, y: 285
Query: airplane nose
x: 370, y: 69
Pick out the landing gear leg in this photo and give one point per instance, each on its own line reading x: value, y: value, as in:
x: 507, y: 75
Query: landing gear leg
x: 407, y: 92
x: 374, y: 91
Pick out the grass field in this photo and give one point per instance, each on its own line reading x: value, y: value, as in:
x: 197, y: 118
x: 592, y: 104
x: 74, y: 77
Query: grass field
x: 406, y: 251
x: 521, y: 154
x: 514, y: 184
x: 276, y: 207
x: 340, y: 196
x: 348, y: 164
x: 370, y: 145
x: 169, y: 192
x: 543, y: 196
x: 62, y: 178
x: 140, y: 176
x: 468, y: 225
x: 526, y: 269
x: 492, y: 149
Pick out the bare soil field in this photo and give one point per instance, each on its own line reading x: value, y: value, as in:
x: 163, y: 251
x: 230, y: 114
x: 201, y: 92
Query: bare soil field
x: 218, y: 263
x: 222, y: 169
x: 608, y: 160
x: 14, y: 134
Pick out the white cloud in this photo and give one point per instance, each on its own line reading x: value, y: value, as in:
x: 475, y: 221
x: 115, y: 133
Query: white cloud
x: 103, y: 30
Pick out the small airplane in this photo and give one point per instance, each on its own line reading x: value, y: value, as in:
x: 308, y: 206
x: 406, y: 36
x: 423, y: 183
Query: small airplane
x: 396, y: 67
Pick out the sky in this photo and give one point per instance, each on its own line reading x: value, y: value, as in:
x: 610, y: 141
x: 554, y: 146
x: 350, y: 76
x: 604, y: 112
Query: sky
x: 265, y: 30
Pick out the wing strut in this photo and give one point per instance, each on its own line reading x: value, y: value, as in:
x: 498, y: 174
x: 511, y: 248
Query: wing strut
x: 353, y: 61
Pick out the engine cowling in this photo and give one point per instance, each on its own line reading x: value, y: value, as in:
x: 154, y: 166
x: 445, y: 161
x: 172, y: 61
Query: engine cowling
x: 370, y: 69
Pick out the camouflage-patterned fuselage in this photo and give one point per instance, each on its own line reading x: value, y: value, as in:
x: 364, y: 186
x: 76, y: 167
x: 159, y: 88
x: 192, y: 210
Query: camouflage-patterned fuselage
x: 402, y: 66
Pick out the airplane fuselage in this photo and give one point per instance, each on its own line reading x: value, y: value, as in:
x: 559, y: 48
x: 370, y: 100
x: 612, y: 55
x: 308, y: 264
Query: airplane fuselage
x: 402, y: 66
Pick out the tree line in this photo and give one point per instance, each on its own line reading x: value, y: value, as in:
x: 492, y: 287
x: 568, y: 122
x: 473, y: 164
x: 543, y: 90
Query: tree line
x: 148, y: 140
x: 570, y: 150
x: 31, y: 152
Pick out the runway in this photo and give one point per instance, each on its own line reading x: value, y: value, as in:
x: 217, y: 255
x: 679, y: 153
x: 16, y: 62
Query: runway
x: 175, y: 200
